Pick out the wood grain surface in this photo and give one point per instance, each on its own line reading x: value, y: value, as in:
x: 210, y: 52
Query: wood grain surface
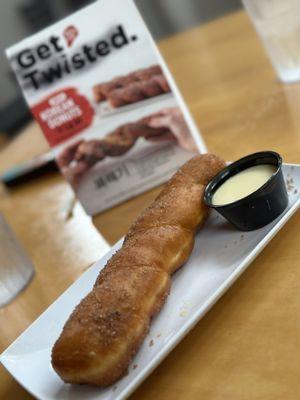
x: 247, y: 345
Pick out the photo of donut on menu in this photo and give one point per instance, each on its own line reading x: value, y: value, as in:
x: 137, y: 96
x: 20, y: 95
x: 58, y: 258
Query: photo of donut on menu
x: 132, y: 88
x: 167, y: 125
x: 127, y: 154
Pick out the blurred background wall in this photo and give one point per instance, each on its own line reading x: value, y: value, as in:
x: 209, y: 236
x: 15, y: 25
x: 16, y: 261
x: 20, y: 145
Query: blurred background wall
x: 166, y: 17
x: 20, y: 18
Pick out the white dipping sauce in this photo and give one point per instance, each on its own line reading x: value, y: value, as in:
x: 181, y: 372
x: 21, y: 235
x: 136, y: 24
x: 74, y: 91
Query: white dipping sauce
x: 242, y: 184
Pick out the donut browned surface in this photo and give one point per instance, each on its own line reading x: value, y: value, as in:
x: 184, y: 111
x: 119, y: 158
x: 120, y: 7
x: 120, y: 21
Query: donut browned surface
x: 106, y: 329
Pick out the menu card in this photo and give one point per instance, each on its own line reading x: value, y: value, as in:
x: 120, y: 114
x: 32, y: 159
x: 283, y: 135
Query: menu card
x: 106, y: 102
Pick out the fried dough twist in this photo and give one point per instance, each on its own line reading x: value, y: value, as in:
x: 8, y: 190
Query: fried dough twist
x: 107, y: 328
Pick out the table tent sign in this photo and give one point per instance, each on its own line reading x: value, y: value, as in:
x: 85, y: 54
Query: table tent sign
x: 106, y: 102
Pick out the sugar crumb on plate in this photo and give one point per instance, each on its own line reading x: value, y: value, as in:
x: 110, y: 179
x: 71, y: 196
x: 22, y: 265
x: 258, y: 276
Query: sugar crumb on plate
x: 183, y: 313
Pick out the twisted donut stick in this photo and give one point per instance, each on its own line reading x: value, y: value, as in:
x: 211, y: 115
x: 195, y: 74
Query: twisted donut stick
x: 138, y: 91
x: 119, y: 141
x: 107, y: 328
x: 102, y: 90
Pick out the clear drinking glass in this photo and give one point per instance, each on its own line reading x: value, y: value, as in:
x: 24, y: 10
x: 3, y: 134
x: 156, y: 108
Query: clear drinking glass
x: 16, y: 269
x: 278, y: 24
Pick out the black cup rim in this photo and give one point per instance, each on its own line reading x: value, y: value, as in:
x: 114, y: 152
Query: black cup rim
x: 227, y: 173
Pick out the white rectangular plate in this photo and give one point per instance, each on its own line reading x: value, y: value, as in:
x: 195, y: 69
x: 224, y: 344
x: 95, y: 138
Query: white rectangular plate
x: 220, y: 255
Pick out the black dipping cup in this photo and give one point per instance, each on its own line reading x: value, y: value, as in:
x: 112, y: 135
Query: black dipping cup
x: 260, y: 207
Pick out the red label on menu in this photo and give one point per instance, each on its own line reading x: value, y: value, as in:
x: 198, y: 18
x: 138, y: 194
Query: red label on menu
x: 70, y: 34
x: 63, y: 114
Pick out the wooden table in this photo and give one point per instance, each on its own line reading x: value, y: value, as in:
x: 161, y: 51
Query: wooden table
x: 247, y: 347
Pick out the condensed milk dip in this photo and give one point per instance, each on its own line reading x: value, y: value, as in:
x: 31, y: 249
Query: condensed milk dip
x: 243, y: 183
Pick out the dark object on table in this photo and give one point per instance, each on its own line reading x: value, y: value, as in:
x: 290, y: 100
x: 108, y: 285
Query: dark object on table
x: 29, y: 170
